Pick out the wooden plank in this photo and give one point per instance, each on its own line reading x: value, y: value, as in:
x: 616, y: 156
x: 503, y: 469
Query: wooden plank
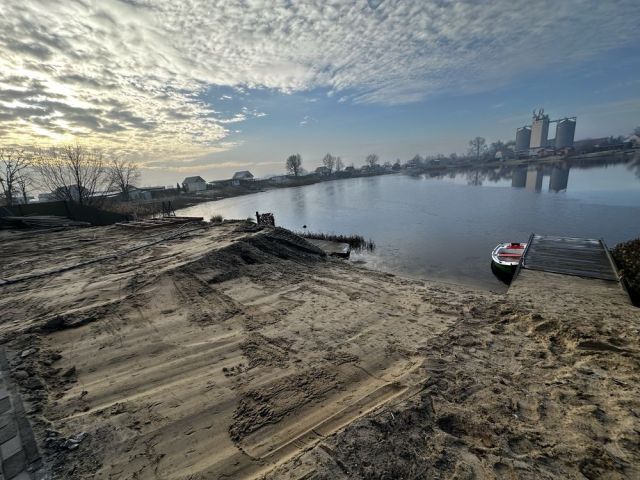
x: 570, y: 256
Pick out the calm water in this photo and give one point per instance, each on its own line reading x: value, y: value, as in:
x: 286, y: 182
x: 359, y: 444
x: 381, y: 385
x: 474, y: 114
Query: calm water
x: 445, y: 227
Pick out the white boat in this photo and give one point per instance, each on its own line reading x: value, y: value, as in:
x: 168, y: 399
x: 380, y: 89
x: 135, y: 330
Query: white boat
x: 506, y: 256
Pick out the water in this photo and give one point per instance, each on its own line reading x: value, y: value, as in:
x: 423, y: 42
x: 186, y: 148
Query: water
x: 445, y: 227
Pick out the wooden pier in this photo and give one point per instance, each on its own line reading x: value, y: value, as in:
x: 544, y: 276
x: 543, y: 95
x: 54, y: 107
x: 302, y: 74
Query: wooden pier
x: 582, y: 257
x: 576, y: 268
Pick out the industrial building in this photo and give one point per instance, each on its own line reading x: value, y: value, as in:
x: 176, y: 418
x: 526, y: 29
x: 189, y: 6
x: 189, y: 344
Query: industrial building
x: 534, y: 137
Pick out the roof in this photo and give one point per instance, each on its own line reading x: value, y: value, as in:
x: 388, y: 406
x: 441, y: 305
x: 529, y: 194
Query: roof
x: 196, y: 179
x: 242, y: 174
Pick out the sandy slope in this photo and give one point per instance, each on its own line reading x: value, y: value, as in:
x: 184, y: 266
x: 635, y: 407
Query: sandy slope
x: 236, y: 353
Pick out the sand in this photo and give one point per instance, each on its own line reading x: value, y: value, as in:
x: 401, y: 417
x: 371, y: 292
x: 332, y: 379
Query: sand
x: 237, y: 352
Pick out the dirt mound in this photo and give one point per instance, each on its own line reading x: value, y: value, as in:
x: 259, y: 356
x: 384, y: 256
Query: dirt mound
x: 263, y: 246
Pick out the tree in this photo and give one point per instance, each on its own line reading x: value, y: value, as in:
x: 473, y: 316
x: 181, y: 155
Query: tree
x: 122, y: 175
x: 372, y: 160
x: 339, y: 164
x: 329, y: 161
x: 477, y: 147
x: 294, y: 164
x: 24, y: 183
x: 13, y: 172
x: 73, y: 173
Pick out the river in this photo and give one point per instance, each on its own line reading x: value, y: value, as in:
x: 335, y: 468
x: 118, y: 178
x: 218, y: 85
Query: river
x: 444, y: 227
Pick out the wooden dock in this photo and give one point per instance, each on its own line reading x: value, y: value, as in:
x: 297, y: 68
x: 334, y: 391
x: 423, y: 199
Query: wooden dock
x: 578, y: 270
x: 582, y: 257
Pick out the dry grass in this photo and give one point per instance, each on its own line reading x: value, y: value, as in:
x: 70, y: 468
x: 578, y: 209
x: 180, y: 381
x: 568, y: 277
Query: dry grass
x: 357, y: 242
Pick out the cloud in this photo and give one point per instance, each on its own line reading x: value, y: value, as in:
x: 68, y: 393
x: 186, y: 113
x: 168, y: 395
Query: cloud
x: 130, y: 74
x: 306, y: 120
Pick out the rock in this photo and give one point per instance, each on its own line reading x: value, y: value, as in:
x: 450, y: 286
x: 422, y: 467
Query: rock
x: 71, y: 445
x: 21, y: 375
x: 70, y: 372
x: 27, y: 352
x: 78, y: 437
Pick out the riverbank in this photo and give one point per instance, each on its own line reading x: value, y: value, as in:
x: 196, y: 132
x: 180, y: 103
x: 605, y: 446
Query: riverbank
x: 242, y: 352
x: 144, y: 208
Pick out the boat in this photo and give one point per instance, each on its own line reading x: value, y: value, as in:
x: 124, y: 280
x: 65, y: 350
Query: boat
x: 506, y: 256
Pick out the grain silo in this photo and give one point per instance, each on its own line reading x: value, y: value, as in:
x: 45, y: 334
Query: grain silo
x: 565, y: 132
x: 523, y: 138
x: 539, y: 130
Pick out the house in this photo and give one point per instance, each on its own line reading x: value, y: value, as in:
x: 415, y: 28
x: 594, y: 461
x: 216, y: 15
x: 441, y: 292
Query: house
x: 240, y: 177
x: 323, y: 171
x: 194, y: 184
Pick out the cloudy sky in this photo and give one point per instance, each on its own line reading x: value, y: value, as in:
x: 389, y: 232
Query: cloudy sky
x: 209, y: 87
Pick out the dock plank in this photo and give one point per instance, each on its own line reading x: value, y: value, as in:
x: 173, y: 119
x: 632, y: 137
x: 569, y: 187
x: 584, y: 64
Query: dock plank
x: 582, y: 257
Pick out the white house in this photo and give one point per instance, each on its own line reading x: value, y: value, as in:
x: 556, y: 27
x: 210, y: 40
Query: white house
x: 242, y: 176
x: 194, y: 184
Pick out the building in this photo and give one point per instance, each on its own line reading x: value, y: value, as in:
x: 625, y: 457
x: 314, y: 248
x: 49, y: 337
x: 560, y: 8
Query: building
x: 136, y: 193
x: 565, y: 132
x: 523, y: 139
x: 539, y: 130
x: 194, y: 184
x: 240, y: 177
x: 323, y: 171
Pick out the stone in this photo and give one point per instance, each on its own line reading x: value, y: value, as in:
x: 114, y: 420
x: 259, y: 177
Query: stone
x: 21, y: 375
x: 70, y: 372
x: 27, y: 352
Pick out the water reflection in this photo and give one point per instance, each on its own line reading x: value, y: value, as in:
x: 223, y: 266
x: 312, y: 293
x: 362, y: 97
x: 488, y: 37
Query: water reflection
x: 531, y: 177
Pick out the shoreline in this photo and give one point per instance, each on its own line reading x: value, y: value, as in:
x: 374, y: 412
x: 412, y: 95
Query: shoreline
x: 241, y: 351
x: 190, y: 200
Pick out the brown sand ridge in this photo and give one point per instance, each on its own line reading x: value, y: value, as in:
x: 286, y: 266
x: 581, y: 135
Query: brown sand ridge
x: 236, y: 352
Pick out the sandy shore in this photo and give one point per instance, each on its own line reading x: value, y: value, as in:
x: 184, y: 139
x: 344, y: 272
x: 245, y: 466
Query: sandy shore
x: 233, y: 352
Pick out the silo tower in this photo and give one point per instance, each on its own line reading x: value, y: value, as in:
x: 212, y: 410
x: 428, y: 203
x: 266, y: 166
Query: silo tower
x: 565, y: 132
x: 523, y: 138
x: 539, y: 129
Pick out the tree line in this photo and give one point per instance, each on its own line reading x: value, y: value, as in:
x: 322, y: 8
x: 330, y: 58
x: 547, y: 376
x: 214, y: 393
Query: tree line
x: 72, y: 172
x: 332, y: 163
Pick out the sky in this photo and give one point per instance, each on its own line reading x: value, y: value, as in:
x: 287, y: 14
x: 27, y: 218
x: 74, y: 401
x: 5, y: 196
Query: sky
x: 203, y: 87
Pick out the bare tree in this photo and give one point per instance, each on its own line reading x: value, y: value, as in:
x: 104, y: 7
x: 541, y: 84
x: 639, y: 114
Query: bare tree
x: 13, y: 167
x: 329, y: 161
x: 372, y: 160
x: 294, y: 164
x: 339, y: 164
x: 73, y: 173
x: 477, y: 147
x: 24, y: 182
x: 123, y: 174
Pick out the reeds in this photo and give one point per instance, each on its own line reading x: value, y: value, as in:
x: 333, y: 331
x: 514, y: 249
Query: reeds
x: 357, y: 242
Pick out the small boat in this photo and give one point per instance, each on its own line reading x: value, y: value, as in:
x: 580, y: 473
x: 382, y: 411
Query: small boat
x: 506, y: 256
